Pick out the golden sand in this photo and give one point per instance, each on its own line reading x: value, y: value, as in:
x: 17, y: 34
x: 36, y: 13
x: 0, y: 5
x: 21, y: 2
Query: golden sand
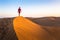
x: 28, y: 30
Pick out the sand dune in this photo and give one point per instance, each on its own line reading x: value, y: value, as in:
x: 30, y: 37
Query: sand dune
x: 28, y: 30
x: 47, y: 29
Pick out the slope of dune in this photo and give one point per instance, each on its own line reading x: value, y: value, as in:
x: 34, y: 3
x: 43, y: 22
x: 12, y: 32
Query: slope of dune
x: 6, y: 29
x: 50, y: 24
x: 28, y: 30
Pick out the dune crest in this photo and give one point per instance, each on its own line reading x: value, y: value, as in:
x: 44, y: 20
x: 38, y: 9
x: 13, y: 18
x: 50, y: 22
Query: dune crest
x: 28, y: 30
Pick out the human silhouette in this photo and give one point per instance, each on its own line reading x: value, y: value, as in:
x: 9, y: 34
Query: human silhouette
x: 19, y: 11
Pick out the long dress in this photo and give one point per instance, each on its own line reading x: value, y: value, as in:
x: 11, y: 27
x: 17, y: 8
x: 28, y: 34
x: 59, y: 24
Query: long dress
x: 19, y: 11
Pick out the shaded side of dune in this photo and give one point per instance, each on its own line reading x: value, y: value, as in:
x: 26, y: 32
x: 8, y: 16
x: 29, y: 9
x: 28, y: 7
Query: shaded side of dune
x: 6, y: 29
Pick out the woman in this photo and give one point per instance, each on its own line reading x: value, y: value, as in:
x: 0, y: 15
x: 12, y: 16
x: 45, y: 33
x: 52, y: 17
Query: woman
x: 19, y: 10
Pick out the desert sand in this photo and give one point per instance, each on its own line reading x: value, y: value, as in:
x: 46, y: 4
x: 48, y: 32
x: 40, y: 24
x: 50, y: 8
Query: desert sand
x: 28, y: 30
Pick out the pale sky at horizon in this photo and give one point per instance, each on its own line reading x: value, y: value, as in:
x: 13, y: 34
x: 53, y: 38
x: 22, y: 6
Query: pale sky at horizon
x: 30, y: 8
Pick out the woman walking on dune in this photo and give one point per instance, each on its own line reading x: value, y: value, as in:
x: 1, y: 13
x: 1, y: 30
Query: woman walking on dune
x: 19, y: 11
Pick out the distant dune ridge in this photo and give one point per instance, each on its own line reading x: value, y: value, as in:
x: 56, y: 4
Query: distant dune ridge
x: 50, y: 25
x: 46, y: 21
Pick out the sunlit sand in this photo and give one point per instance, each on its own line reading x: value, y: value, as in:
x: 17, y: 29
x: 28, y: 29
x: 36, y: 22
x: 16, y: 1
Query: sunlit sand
x: 28, y: 30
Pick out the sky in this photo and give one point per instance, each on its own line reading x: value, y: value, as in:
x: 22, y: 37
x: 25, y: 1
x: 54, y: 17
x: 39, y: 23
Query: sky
x: 30, y: 8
